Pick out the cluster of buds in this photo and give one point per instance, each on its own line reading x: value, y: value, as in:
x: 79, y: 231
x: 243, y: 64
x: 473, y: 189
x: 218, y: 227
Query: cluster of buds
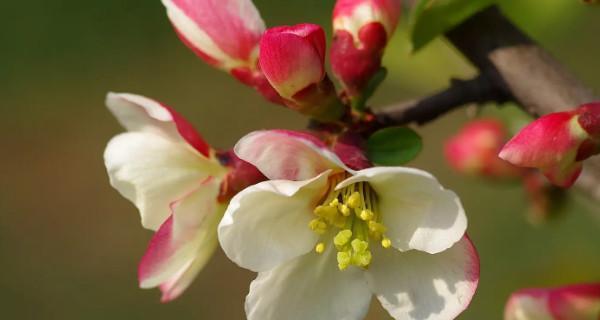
x: 287, y: 64
x: 557, y: 143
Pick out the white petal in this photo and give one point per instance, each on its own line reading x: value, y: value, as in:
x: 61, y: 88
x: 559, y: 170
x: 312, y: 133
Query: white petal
x: 267, y: 224
x: 152, y: 171
x: 416, y: 285
x: 309, y: 287
x: 289, y: 155
x: 418, y: 212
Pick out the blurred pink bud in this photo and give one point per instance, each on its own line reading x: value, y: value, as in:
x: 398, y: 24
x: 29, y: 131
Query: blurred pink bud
x: 557, y: 143
x: 362, y: 29
x: 224, y: 33
x: 575, y: 302
x: 292, y: 58
x: 474, y: 150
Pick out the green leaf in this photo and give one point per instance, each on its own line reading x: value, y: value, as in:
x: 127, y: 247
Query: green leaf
x: 430, y: 18
x: 360, y: 102
x: 394, y: 146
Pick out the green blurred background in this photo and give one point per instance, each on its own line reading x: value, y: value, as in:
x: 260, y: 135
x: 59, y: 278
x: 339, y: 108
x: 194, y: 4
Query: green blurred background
x: 69, y: 244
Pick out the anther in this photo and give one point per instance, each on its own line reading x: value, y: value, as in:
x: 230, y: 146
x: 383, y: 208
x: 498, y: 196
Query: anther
x: 354, y: 200
x: 343, y: 259
x: 386, y: 242
x: 367, y: 215
x: 320, y: 247
x: 342, y: 238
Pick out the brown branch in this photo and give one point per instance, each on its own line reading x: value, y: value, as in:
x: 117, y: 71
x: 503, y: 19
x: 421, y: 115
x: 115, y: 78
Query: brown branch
x: 461, y: 92
x: 514, y: 66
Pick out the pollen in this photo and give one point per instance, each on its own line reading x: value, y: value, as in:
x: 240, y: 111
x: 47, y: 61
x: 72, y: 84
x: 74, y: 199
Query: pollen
x: 352, y: 213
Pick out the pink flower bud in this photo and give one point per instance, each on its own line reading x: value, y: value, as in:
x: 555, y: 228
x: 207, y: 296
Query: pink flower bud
x: 292, y: 58
x: 224, y: 33
x: 580, y: 301
x: 557, y: 143
x: 362, y: 29
x: 474, y: 150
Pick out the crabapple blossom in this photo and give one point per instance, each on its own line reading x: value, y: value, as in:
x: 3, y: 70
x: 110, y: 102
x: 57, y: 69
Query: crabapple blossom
x: 178, y: 184
x: 324, y: 238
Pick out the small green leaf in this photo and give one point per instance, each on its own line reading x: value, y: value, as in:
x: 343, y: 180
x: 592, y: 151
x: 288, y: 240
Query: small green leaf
x: 430, y: 18
x: 360, y: 102
x: 394, y: 146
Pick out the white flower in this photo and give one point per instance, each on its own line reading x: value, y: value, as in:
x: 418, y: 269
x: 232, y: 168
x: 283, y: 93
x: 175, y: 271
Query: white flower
x: 165, y: 168
x: 324, y: 238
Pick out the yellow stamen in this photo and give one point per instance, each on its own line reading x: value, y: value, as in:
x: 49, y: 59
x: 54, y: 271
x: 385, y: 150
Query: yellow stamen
x: 343, y: 259
x: 342, y: 238
x: 318, y: 226
x: 354, y: 200
x: 320, y: 247
x: 367, y: 215
x: 353, y: 213
x: 386, y: 243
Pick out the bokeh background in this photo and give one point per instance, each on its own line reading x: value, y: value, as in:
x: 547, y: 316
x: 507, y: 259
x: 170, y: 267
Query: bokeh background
x: 69, y: 244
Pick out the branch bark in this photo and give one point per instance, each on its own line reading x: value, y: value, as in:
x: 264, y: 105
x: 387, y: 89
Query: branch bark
x: 512, y: 66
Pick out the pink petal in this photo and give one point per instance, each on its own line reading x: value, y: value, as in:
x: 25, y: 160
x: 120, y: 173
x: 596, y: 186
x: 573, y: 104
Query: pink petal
x: 184, y: 242
x: 288, y: 155
x: 292, y: 58
x: 138, y: 113
x: 222, y: 32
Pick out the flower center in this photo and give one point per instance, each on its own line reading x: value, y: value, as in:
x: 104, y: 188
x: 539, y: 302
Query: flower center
x: 353, y: 213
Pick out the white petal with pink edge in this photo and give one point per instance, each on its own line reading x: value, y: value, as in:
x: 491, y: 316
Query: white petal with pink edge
x: 267, y: 224
x: 309, y: 287
x: 153, y: 171
x: 416, y: 285
x: 184, y: 243
x: 288, y: 155
x: 417, y: 211
x: 140, y: 114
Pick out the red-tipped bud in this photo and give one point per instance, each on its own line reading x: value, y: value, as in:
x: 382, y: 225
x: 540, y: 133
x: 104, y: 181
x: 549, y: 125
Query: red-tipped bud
x: 574, y: 302
x: 226, y: 35
x: 362, y: 29
x: 474, y: 150
x: 557, y: 143
x: 293, y: 60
